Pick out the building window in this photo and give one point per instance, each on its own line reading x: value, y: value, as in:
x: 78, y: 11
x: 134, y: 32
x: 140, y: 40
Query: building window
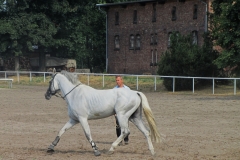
x: 116, y: 42
x: 135, y: 17
x: 138, y: 41
x: 174, y: 34
x: 169, y: 39
x: 151, y: 63
x: 155, y: 64
x: 116, y: 18
x: 131, y: 41
x: 154, y: 13
x: 174, y: 14
x: 195, y: 37
x: 195, y: 10
x: 134, y: 42
x: 154, y: 39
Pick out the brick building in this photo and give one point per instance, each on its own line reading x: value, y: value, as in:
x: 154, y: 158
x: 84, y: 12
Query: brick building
x: 139, y: 32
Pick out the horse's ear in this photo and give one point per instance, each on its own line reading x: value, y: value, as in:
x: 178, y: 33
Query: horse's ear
x: 54, y: 70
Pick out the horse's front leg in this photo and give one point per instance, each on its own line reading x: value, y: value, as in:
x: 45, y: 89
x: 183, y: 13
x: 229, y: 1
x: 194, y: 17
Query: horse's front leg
x: 87, y: 132
x: 67, y: 126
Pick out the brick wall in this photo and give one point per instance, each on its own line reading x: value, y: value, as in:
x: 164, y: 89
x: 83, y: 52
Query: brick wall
x: 129, y: 61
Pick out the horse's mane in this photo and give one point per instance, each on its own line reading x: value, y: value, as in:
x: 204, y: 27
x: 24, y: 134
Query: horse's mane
x: 71, y: 77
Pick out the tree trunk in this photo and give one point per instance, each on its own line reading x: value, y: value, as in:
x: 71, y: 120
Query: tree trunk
x: 42, y: 62
x: 17, y: 63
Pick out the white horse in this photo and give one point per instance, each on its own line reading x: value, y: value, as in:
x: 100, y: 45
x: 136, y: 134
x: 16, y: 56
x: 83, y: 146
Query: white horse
x: 86, y: 103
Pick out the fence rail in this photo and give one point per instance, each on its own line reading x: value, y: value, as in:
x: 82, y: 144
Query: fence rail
x: 30, y: 73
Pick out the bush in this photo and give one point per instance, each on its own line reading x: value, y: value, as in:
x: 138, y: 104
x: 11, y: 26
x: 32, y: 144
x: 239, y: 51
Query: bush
x: 184, y: 58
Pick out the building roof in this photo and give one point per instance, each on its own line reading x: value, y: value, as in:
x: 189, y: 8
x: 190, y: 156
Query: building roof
x: 126, y: 3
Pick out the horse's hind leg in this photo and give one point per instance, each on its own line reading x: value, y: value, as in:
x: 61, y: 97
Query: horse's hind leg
x: 67, y: 126
x: 137, y: 121
x: 123, y: 123
x: 119, y: 139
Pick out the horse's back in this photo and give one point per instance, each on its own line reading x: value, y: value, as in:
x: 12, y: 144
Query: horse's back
x: 96, y: 104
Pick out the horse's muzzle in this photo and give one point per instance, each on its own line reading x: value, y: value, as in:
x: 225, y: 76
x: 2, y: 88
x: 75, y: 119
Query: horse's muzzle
x: 48, y: 95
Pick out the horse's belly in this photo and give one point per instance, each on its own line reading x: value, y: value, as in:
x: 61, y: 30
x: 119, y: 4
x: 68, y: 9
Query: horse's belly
x: 99, y: 115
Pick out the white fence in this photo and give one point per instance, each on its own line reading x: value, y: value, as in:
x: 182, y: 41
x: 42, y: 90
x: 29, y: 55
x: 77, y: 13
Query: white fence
x: 30, y: 73
x: 18, y: 73
x: 10, y: 81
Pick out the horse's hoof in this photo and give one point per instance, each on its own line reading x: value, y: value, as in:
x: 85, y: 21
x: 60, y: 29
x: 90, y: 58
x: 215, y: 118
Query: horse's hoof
x: 110, y: 152
x: 153, y: 153
x: 120, y: 144
x: 97, y: 153
x: 50, y: 150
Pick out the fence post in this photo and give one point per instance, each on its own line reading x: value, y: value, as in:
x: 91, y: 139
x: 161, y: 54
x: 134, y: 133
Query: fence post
x: 30, y: 76
x: 235, y: 85
x: 88, y: 79
x: 103, y: 80
x: 5, y: 74
x: 18, y: 76
x: 44, y: 77
x: 193, y: 85
x: 137, y: 83
x: 155, y: 85
x: 10, y: 84
x: 213, y: 85
x: 173, y: 84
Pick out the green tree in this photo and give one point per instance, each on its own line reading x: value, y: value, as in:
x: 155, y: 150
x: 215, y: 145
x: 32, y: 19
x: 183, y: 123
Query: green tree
x: 22, y: 28
x: 86, y: 36
x: 68, y: 29
x: 81, y: 35
x: 184, y: 58
x: 225, y: 22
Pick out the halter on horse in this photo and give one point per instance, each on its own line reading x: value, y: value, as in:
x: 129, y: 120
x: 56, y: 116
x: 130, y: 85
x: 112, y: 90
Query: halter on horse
x: 86, y: 103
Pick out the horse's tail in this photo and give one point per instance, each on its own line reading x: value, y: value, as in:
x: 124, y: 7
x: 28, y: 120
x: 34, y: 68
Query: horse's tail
x: 155, y: 136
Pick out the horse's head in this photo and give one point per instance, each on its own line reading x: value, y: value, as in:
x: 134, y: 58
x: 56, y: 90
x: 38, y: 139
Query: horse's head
x: 53, y: 88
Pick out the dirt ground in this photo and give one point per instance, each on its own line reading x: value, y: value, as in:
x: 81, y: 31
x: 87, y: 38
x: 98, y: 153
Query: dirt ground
x: 196, y: 127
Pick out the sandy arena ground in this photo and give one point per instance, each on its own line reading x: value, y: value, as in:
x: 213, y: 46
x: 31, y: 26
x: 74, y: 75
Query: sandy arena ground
x: 196, y: 127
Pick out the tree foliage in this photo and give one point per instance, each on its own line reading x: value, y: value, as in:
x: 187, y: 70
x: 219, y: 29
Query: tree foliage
x: 64, y: 28
x: 225, y: 26
x: 184, y: 58
x: 20, y: 30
